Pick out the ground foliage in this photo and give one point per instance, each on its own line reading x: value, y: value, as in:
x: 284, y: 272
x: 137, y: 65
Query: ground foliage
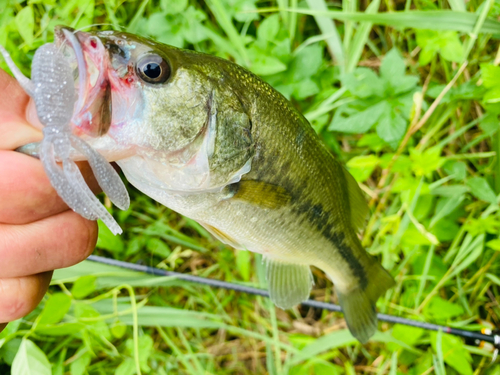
x: 386, y: 86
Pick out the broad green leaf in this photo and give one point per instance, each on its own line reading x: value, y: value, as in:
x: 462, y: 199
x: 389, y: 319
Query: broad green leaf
x: 127, y: 367
x: 263, y: 63
x: 83, y: 286
x: 490, y: 124
x: 30, y: 360
x: 363, y: 83
x: 427, y: 162
x: 327, y: 342
x: 55, y: 309
x: 360, y: 122
x: 269, y: 28
x: 307, y: 62
x: 440, y: 309
x: 304, y: 88
x: 361, y: 167
x: 407, y: 334
x: 243, y: 262
x: 393, y: 66
x: 373, y: 141
x: 456, y: 168
x: 61, y: 329
x: 494, y: 244
x: 118, y: 329
x: 11, y: 328
x: 481, y: 189
x: 108, y: 241
x: 145, y: 350
x: 446, y: 43
x: 491, y: 75
x: 403, y: 84
x: 25, y: 22
x: 391, y: 127
x: 9, y: 350
x: 173, y: 6
x: 81, y: 363
x: 157, y: 247
x: 454, y: 353
x: 489, y: 224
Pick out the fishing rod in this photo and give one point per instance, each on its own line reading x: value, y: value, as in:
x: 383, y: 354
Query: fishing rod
x: 489, y: 336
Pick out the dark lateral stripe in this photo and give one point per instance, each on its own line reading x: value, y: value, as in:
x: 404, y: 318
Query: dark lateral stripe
x: 316, y: 215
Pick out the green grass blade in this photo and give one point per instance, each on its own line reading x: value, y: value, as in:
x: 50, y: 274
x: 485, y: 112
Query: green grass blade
x: 348, y: 6
x: 330, y: 341
x: 477, y: 28
x: 431, y: 20
x: 132, y: 26
x: 356, y: 48
x: 425, y: 273
x: 328, y: 29
x: 224, y: 21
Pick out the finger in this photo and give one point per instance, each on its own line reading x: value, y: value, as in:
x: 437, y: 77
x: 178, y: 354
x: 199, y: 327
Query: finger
x: 15, y: 130
x: 26, y: 192
x: 21, y: 295
x: 55, y: 242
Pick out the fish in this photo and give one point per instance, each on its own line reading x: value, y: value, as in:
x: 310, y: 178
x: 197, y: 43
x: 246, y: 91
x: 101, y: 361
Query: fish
x: 214, y: 142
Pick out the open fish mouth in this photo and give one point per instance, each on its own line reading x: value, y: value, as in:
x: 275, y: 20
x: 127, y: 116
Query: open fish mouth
x: 86, y: 55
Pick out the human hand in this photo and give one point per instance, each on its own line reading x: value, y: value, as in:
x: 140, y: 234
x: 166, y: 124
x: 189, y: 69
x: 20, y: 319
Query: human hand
x: 38, y: 232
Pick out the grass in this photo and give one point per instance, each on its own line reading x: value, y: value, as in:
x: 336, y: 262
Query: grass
x: 405, y: 93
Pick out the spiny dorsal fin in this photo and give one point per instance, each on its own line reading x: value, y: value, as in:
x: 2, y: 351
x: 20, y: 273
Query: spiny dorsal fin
x: 357, y: 203
x: 262, y: 194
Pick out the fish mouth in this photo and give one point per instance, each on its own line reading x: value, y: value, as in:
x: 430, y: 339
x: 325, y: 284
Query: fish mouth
x: 87, y: 56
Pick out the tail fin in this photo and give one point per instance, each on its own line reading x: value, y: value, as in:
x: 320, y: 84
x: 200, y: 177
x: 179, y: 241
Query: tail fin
x: 358, y: 303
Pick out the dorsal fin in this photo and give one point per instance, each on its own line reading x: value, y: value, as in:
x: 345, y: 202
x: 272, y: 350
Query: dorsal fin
x: 357, y: 203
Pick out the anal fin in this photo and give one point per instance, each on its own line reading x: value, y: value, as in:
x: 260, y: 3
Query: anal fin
x: 289, y: 283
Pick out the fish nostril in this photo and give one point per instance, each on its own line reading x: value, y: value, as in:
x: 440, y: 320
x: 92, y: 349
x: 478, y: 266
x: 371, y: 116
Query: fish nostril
x: 93, y: 43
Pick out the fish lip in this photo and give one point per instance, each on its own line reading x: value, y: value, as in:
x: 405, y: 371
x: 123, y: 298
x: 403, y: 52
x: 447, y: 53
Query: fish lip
x: 87, y: 52
x: 67, y: 35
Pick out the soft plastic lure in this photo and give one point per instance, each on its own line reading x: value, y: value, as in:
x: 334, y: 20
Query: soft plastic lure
x: 53, y: 90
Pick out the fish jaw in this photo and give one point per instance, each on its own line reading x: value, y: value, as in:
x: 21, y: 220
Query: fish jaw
x: 103, y: 101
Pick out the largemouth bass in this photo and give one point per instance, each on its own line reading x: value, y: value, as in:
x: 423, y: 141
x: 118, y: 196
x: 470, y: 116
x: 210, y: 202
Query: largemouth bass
x: 212, y: 141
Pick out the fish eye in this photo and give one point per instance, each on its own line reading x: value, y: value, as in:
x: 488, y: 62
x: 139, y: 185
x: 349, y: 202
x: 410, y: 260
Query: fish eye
x: 153, y: 69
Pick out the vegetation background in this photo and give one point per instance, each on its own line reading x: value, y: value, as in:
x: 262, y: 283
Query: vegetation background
x: 406, y: 93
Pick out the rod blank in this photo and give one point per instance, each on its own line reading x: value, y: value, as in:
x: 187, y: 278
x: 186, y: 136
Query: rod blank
x: 478, y: 336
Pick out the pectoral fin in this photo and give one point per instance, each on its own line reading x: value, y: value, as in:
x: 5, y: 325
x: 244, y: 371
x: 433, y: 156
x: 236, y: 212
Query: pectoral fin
x: 262, y: 194
x: 289, y: 283
x: 223, y: 237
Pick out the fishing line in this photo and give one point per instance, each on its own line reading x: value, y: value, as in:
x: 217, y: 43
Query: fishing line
x: 477, y: 337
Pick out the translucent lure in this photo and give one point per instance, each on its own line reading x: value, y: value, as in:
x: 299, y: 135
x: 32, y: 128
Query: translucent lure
x: 53, y: 90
